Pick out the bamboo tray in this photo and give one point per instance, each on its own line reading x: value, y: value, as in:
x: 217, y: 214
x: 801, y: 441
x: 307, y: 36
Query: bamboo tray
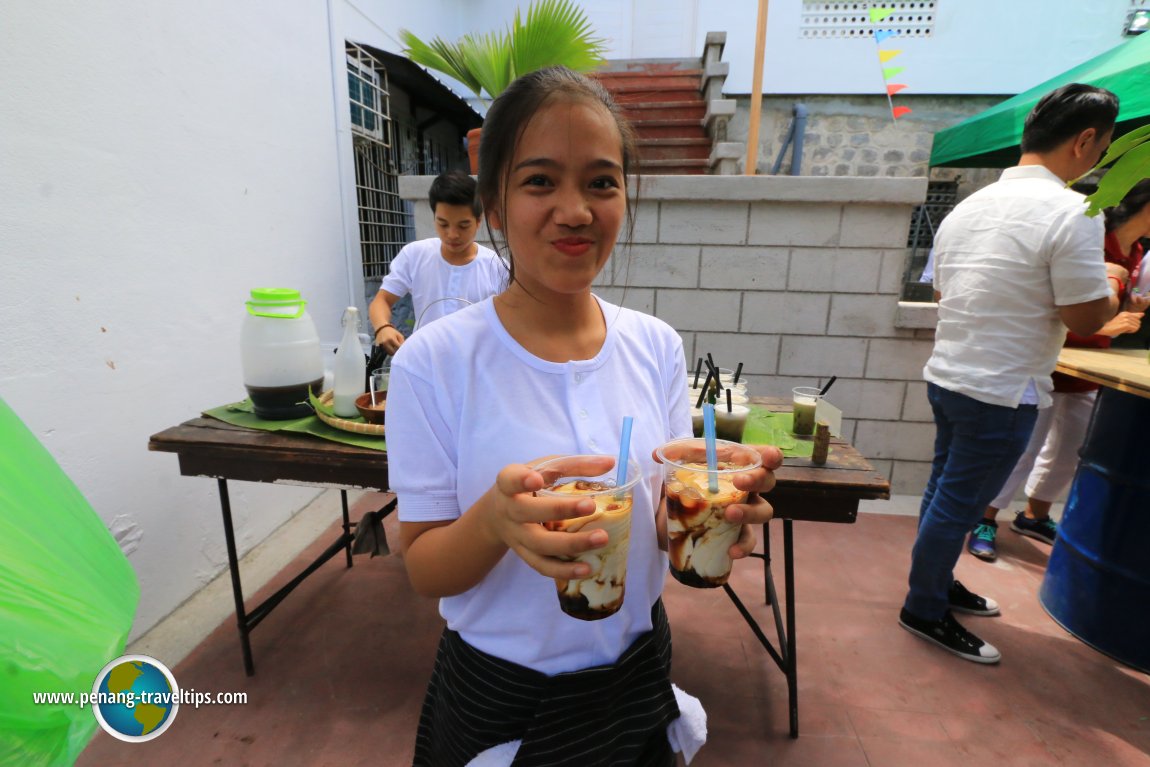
x: 356, y: 426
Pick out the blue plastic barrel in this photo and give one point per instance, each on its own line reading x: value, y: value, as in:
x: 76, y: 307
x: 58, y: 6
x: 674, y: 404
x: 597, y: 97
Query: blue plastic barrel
x: 1097, y: 583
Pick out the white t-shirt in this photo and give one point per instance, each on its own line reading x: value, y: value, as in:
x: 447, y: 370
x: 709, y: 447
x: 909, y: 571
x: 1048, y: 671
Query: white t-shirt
x: 465, y: 400
x: 1005, y: 259
x: 419, y: 269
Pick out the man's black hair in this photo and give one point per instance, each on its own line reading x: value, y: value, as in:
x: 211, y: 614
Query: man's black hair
x: 1065, y: 112
x: 455, y: 188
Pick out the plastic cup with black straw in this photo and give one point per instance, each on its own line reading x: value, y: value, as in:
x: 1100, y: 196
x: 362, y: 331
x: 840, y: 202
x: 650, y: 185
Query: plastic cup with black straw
x: 731, y: 421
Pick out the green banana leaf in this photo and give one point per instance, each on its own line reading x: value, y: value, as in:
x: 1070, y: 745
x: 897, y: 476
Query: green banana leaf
x: 1131, y: 157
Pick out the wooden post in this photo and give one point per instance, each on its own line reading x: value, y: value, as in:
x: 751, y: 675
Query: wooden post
x: 757, y: 91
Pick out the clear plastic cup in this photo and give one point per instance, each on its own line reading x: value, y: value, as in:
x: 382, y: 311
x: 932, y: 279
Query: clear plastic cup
x: 806, y: 400
x: 699, y: 538
x: 599, y: 594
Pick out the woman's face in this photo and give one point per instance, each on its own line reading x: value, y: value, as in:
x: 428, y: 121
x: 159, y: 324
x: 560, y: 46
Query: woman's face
x: 565, y: 199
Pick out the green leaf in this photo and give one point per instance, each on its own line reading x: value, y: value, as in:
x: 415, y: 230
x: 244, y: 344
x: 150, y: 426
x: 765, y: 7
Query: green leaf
x: 555, y: 32
x: 319, y: 406
x: 1133, y: 165
x: 1122, y: 145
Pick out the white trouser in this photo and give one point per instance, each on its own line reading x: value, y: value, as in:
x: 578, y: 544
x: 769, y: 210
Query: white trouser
x: 1051, y: 456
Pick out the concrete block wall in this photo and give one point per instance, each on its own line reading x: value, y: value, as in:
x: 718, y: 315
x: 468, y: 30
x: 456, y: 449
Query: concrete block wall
x: 795, y: 277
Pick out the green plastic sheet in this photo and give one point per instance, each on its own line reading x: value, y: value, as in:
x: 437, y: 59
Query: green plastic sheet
x: 67, y: 600
x: 990, y: 139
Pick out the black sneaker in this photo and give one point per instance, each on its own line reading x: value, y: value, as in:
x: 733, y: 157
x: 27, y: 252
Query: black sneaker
x: 962, y: 600
x: 1044, y: 530
x: 950, y: 636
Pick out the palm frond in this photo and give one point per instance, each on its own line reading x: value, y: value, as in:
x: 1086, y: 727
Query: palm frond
x: 441, y: 56
x: 555, y: 32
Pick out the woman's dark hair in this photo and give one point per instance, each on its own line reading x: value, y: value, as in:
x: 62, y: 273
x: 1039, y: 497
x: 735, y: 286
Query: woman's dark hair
x: 1065, y: 112
x: 1132, y: 204
x: 513, y: 111
x: 454, y: 188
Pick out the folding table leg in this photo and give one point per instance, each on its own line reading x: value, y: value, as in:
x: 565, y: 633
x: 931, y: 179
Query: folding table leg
x: 792, y: 659
x: 237, y: 588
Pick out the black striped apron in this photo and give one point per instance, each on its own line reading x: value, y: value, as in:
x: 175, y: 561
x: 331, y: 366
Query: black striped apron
x: 607, y: 715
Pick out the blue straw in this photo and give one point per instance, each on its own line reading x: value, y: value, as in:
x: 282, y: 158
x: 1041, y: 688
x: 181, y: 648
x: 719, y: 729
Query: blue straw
x: 624, y: 450
x: 709, y: 437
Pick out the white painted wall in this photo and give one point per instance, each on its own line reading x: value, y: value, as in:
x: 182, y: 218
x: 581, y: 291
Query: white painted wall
x: 978, y: 47
x: 159, y: 160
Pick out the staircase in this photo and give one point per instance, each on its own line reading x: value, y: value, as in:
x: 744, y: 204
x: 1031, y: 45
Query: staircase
x: 676, y: 108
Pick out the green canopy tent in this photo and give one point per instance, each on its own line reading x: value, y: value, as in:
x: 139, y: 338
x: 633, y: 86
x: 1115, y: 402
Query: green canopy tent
x: 990, y: 139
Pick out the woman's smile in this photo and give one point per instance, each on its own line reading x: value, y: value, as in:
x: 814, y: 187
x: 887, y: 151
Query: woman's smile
x: 573, y: 246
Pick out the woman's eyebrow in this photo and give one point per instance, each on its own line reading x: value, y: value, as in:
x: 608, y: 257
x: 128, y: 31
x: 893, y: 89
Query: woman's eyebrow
x: 546, y: 162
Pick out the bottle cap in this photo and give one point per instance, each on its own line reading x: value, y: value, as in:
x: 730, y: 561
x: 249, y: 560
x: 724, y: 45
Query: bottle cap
x: 279, y: 303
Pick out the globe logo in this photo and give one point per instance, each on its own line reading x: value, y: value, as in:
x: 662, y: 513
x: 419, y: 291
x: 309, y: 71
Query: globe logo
x: 136, y: 698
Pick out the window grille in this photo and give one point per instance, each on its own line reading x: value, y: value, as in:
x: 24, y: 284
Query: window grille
x: 852, y: 19
x: 386, y: 223
x: 941, y: 197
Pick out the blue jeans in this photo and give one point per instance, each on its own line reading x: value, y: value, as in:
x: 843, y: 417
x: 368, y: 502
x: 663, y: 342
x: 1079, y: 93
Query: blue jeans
x: 975, y: 448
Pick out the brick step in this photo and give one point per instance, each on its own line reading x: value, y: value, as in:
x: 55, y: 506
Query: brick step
x: 665, y: 110
x: 646, y: 129
x: 645, y: 93
x: 674, y: 167
x: 674, y: 149
x: 629, y: 82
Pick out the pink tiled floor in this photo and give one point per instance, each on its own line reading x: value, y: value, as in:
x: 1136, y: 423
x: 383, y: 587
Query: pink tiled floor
x: 342, y: 664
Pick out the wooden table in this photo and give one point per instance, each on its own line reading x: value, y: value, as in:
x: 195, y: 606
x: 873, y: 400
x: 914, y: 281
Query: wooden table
x: 210, y: 448
x: 1097, y: 581
x: 1123, y: 369
x: 808, y: 493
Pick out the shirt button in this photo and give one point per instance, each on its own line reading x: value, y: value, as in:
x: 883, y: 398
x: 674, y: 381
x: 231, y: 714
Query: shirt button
x: 583, y: 414
x: 578, y: 378
x: 592, y: 443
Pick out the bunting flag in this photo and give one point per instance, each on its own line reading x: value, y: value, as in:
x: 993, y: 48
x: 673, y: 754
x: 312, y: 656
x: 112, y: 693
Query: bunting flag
x: 876, y: 15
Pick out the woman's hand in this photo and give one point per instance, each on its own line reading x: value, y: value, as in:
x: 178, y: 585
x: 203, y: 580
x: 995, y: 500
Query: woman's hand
x: 1137, y: 303
x: 755, y: 510
x: 516, y: 518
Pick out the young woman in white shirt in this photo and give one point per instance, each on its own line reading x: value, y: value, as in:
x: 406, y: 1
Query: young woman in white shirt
x: 478, y: 398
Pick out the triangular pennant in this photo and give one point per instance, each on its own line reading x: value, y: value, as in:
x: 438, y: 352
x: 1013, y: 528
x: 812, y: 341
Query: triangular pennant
x: 898, y: 112
x: 893, y: 88
x: 882, y: 34
x: 878, y: 14
x: 890, y: 72
x: 885, y: 56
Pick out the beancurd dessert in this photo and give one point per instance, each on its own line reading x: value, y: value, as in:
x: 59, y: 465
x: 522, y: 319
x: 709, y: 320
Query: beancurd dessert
x: 600, y: 594
x: 699, y: 536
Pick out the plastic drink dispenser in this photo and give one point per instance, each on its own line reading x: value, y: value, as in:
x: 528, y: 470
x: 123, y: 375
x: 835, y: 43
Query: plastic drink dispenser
x: 280, y: 355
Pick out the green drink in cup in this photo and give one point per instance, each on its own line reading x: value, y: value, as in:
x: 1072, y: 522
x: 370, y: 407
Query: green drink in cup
x: 599, y: 594
x: 699, y: 538
x: 806, y: 401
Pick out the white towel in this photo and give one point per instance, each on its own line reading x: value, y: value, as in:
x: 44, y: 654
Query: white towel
x: 687, y: 734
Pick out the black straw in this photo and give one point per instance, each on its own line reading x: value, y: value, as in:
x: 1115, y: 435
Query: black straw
x: 728, y: 400
x: 713, y: 366
x: 698, y: 369
x: 703, y: 392
x: 828, y: 386
x: 738, y: 371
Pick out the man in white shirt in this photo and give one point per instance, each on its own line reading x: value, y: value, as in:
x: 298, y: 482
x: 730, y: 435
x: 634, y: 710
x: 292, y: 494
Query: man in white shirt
x: 1016, y: 264
x: 443, y: 274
